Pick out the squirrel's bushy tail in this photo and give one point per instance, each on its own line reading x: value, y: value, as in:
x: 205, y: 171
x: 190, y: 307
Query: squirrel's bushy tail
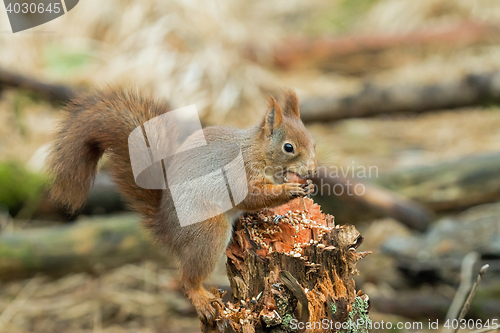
x: 96, y: 123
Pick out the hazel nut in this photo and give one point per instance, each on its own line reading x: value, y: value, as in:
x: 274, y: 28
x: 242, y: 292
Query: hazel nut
x: 294, y: 178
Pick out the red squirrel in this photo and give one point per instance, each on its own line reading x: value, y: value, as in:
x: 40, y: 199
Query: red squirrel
x: 102, y: 121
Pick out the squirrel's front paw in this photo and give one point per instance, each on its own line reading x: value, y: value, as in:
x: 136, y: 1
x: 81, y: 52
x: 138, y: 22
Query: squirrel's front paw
x: 296, y: 190
x: 309, y: 187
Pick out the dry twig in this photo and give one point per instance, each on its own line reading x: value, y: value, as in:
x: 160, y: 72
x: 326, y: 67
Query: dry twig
x: 465, y: 285
x: 52, y: 92
x: 472, y: 293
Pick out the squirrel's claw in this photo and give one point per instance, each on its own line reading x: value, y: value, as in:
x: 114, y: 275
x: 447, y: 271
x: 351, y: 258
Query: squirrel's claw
x: 207, y: 314
x: 201, y: 300
x: 309, y: 187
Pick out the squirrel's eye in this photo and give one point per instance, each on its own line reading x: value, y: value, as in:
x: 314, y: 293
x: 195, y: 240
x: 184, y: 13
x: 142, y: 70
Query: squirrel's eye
x: 288, y: 147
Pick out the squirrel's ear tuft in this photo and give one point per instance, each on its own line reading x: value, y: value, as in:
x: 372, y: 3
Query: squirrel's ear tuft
x: 291, y: 104
x: 274, y: 116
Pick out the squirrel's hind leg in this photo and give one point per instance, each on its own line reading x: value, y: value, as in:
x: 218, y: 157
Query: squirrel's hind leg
x: 204, y: 245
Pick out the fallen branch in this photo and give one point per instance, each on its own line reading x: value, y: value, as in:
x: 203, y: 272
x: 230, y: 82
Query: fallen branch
x: 411, y: 195
x: 51, y: 92
x: 439, y: 255
x: 306, y: 52
x: 453, y: 185
x: 470, y: 90
x: 84, y: 246
x: 375, y: 200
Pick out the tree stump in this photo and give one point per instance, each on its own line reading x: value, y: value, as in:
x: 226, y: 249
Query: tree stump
x: 290, y: 270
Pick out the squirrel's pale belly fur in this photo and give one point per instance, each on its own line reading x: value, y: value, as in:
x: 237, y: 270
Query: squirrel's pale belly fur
x: 101, y: 122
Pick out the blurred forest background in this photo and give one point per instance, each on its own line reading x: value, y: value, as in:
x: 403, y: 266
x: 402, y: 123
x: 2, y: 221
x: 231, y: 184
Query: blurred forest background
x: 411, y: 88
